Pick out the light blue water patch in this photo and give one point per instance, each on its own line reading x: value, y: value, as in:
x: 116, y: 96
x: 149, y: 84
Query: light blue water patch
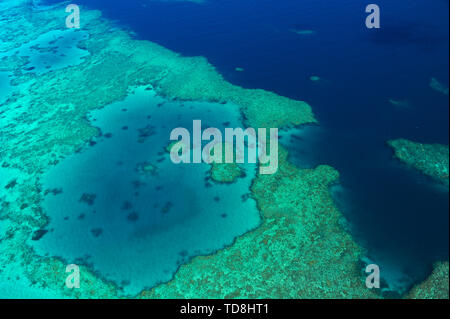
x: 133, y: 225
x: 53, y: 50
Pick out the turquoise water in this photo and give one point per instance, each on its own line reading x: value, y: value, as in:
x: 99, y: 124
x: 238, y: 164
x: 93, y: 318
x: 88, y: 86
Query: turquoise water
x: 53, y: 50
x: 5, y: 87
x: 137, y: 227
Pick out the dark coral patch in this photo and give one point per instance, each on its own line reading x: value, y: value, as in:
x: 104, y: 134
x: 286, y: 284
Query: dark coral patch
x: 88, y: 198
x: 96, y: 232
x: 167, y: 207
x: 127, y: 205
x: 245, y: 197
x: 132, y: 217
x: 145, y: 132
x: 38, y: 234
x: 11, y: 184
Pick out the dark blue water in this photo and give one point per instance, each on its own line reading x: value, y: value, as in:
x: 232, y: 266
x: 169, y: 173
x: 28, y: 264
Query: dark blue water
x: 399, y: 215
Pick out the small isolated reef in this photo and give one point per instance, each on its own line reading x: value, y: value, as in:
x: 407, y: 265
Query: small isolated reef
x: 438, y: 86
x: 430, y: 159
x: 225, y: 172
x: 300, y: 250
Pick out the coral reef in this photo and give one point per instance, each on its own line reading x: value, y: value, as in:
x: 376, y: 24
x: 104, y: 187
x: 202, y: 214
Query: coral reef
x: 430, y: 159
x: 436, y: 286
x: 303, y: 32
x: 438, y: 86
x: 43, y: 121
x: 299, y: 251
x: 225, y: 172
x: 399, y: 103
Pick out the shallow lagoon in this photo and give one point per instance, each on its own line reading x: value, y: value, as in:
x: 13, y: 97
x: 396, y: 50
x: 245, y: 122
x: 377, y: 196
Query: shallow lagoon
x: 53, y: 50
x: 121, y: 206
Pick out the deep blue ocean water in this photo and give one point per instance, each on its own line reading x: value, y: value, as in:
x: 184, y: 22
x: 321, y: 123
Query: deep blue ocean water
x: 399, y: 215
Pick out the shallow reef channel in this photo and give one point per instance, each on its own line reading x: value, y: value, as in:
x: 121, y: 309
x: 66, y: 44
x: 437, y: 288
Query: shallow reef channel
x: 121, y: 206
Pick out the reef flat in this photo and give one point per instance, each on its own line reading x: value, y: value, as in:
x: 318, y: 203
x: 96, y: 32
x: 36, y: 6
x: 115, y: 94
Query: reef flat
x: 430, y: 159
x: 300, y: 249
